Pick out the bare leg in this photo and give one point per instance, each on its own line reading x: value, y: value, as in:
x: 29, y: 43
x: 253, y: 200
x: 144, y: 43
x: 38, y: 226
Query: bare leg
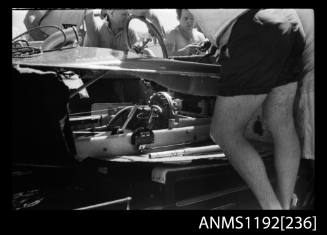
x: 229, y: 120
x: 278, y: 111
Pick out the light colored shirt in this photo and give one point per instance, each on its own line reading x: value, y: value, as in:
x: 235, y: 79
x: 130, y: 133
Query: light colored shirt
x: 175, y: 40
x: 99, y: 34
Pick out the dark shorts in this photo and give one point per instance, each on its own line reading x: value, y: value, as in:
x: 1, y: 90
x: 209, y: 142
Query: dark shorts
x: 264, y: 51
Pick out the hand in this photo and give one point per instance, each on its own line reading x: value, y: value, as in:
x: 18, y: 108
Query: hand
x: 191, y: 46
x: 140, y: 46
x: 205, y: 45
x: 103, y: 14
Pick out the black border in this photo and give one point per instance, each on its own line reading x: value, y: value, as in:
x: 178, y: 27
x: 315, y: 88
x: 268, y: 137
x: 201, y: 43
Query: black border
x: 167, y: 221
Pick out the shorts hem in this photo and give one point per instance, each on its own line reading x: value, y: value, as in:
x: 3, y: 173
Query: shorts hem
x: 237, y: 92
x: 253, y: 91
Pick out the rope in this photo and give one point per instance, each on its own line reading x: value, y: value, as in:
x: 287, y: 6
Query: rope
x: 25, y: 52
x: 19, y: 43
x: 99, y: 110
x: 19, y: 51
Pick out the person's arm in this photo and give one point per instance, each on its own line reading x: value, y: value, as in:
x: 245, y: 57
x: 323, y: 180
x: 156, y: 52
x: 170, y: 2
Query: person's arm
x: 92, y: 29
x: 152, y: 17
x: 155, y: 20
x: 170, y: 43
x: 32, y: 20
x: 133, y: 36
x: 172, y: 49
x: 189, y: 49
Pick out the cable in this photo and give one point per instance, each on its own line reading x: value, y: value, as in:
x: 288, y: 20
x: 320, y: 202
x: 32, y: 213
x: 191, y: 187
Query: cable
x: 19, y: 51
x: 40, y: 27
x: 18, y: 42
x: 98, y: 110
x: 25, y: 52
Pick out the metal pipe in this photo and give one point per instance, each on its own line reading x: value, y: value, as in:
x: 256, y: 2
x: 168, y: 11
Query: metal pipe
x: 151, y: 26
x: 58, y: 38
x: 86, y: 85
x: 129, y: 117
x: 185, y: 151
x: 119, y: 201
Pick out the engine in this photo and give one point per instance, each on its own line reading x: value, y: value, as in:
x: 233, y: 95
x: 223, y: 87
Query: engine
x: 161, y: 108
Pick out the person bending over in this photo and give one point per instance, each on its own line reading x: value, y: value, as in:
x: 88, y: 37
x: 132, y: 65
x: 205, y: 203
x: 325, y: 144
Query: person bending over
x: 261, y: 54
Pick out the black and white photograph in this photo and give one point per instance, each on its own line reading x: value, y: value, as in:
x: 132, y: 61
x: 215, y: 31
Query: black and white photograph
x: 165, y: 109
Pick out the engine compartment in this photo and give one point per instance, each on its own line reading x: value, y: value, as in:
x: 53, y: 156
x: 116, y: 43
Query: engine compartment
x: 161, y: 125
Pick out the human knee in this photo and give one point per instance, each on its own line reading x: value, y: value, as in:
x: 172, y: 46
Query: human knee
x: 218, y: 135
x: 215, y: 136
x: 280, y: 122
x: 224, y: 136
x: 278, y: 108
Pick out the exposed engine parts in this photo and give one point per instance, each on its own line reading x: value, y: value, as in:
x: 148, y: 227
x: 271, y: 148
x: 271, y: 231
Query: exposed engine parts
x: 160, y: 125
x: 169, y: 109
x: 156, y: 115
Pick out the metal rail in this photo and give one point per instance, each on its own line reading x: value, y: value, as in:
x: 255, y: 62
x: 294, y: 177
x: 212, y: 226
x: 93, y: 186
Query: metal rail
x: 115, y: 202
